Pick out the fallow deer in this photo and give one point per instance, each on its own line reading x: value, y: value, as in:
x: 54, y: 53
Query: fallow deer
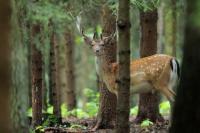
x: 158, y: 72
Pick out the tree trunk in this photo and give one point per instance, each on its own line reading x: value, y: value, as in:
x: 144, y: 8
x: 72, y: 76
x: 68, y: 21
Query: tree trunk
x: 148, y: 102
x: 160, y: 26
x: 174, y: 26
x: 107, y: 106
x: 36, y: 79
x: 19, y: 67
x: 123, y: 60
x: 170, y: 26
x: 44, y: 89
x: 5, y: 13
x: 52, y: 70
x: 186, y: 114
x: 55, y: 80
x: 70, y: 90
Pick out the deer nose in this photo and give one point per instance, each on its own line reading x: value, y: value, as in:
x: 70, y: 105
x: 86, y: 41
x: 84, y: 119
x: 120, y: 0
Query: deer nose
x: 97, y: 51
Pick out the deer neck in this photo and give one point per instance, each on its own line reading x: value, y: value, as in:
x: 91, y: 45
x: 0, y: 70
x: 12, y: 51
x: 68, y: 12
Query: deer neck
x: 103, y: 66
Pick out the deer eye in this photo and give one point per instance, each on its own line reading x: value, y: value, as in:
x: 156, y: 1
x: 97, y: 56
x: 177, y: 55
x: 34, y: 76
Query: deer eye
x: 101, y: 44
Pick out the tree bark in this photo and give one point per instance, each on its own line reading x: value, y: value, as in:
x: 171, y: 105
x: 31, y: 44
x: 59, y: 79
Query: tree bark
x: 123, y: 60
x: 107, y: 106
x: 44, y: 89
x: 70, y: 90
x: 186, y: 114
x: 19, y: 67
x: 174, y: 26
x: 36, y: 79
x: 5, y: 13
x: 52, y: 70
x: 160, y: 26
x: 148, y: 102
x: 55, y: 80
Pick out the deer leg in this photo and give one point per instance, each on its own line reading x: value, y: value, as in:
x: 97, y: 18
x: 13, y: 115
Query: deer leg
x: 167, y: 92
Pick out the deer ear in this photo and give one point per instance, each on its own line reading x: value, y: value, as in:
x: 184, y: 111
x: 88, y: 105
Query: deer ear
x: 107, y: 39
x: 88, y: 40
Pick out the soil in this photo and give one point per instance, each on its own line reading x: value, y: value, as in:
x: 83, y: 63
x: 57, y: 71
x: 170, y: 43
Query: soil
x: 75, y: 125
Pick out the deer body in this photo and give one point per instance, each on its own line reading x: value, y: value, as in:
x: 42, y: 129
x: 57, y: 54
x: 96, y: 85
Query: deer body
x: 149, y: 74
x: 158, y: 72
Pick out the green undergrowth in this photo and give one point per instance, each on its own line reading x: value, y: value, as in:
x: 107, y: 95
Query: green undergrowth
x: 90, y: 110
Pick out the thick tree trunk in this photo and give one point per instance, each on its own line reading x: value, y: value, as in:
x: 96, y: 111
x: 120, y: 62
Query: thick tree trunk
x: 186, y: 114
x: 148, y: 102
x: 70, y: 76
x: 36, y: 79
x: 19, y: 67
x: 107, y: 106
x: 123, y: 60
x: 5, y: 13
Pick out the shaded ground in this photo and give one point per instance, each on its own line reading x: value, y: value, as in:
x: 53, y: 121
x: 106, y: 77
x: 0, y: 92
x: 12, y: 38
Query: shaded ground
x: 74, y: 125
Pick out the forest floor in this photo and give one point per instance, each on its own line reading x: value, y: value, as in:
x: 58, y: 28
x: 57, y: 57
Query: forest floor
x: 85, y: 126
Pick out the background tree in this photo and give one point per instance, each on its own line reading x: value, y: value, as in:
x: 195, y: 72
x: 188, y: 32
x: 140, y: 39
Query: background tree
x: 148, y: 102
x: 186, y: 111
x: 70, y: 71
x: 170, y: 25
x: 174, y: 27
x: 5, y: 14
x: 36, y: 63
x: 123, y: 81
x: 56, y: 90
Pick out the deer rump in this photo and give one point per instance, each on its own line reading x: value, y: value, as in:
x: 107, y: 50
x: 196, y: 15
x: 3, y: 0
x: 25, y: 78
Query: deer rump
x: 155, y: 74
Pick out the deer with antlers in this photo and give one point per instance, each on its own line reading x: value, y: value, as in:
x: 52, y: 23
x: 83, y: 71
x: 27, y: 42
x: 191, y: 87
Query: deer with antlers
x: 158, y: 72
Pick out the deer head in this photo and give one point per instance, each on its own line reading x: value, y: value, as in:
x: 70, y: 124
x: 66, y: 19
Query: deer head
x: 100, y: 46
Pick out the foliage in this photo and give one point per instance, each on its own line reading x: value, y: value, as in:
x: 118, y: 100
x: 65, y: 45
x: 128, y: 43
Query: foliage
x: 89, y: 111
x: 51, y: 120
x: 134, y: 110
x: 146, y: 5
x: 164, y: 108
x: 146, y: 123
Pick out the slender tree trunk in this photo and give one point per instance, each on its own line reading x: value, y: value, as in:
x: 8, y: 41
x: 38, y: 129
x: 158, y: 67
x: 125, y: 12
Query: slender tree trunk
x: 186, y: 114
x: 52, y: 70
x: 123, y: 60
x: 148, y: 102
x: 44, y: 89
x: 29, y: 68
x: 5, y: 13
x: 70, y: 90
x: 55, y: 80
x: 160, y: 40
x: 36, y: 79
x: 107, y: 107
x: 174, y: 27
